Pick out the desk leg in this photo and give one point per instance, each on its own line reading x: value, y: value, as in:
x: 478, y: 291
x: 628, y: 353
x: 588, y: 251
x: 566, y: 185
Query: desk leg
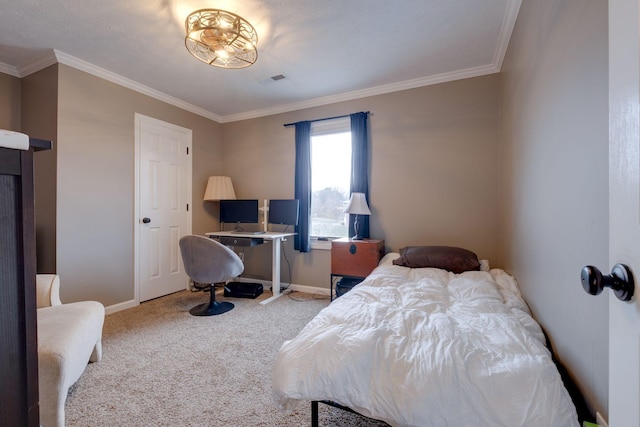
x: 275, y: 270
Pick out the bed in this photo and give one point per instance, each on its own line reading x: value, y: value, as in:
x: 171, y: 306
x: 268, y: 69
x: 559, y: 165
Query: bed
x: 431, y: 337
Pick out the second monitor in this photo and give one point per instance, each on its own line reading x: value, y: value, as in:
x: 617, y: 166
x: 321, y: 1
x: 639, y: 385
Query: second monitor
x: 284, y: 211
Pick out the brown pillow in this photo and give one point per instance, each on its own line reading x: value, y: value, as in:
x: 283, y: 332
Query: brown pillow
x: 455, y: 260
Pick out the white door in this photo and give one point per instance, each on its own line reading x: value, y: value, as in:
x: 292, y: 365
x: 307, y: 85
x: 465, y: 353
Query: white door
x: 163, y: 201
x: 624, y: 208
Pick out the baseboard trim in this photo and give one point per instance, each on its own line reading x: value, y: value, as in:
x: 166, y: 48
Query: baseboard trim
x: 291, y: 286
x: 310, y: 289
x: 600, y: 420
x: 120, y: 306
x: 265, y: 283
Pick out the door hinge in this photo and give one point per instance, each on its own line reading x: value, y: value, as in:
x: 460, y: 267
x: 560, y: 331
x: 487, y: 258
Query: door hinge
x: 187, y: 151
x: 187, y: 207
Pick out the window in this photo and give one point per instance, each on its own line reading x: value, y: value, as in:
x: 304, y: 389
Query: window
x: 355, y: 128
x: 330, y: 177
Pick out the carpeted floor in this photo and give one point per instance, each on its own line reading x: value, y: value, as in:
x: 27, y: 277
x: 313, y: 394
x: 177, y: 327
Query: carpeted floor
x: 163, y: 367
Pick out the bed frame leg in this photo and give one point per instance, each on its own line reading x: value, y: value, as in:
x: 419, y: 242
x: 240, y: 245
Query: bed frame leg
x: 314, y: 413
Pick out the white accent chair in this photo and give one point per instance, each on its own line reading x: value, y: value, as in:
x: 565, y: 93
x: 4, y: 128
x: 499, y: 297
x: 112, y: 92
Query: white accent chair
x: 69, y: 337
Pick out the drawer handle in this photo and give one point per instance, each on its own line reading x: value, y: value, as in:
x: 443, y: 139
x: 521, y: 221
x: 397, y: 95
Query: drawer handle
x: 353, y: 249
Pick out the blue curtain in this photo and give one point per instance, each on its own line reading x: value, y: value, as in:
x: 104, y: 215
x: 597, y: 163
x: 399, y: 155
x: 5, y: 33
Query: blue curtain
x: 360, y: 167
x: 302, y: 241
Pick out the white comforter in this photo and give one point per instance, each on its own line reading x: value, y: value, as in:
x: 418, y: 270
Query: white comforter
x: 425, y: 347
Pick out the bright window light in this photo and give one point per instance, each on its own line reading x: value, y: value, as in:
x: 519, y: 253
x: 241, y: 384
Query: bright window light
x: 330, y: 183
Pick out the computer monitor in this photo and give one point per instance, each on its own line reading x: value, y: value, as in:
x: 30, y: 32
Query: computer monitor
x: 284, y: 211
x: 239, y: 211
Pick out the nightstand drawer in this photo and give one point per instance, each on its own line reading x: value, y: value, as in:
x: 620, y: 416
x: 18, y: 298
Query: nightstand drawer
x: 355, y: 257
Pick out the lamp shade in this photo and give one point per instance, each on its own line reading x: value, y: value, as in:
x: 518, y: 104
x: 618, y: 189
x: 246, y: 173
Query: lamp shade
x: 358, y: 205
x: 219, y: 188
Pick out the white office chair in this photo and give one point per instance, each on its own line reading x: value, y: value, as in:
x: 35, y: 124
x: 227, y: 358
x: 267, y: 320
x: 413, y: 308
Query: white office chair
x: 208, y: 262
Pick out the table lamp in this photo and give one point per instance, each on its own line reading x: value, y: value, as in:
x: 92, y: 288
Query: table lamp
x: 357, y: 206
x: 219, y: 188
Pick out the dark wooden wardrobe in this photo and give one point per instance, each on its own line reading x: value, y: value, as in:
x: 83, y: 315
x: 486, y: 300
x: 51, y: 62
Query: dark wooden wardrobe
x: 18, y: 332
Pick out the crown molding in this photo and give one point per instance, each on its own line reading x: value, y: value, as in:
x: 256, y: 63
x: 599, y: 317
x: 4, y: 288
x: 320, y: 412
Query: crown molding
x: 508, y: 24
x: 56, y: 56
x: 38, y: 64
x: 81, y: 65
x: 363, y: 93
x: 9, y: 69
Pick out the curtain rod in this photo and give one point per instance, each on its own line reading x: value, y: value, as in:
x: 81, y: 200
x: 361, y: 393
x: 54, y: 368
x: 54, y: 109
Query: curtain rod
x: 326, y: 118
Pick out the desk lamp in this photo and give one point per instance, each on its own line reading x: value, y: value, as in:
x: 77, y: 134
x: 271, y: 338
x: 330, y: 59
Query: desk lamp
x: 357, y: 206
x: 219, y: 188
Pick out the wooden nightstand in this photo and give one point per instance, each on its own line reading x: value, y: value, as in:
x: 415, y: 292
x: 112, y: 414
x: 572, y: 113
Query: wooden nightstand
x: 353, y: 260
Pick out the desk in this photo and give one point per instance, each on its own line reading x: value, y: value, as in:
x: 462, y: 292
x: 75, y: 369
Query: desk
x: 275, y: 237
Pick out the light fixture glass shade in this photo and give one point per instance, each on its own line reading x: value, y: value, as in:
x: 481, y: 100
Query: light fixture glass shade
x: 219, y: 188
x: 220, y: 38
x: 358, y: 205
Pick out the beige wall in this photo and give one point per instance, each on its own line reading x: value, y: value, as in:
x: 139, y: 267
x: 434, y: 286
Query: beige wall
x: 29, y: 105
x: 84, y: 186
x: 40, y: 120
x: 10, y: 98
x: 95, y: 173
x: 554, y: 158
x: 433, y: 176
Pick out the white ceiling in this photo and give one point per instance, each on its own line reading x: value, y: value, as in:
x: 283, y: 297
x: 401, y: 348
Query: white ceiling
x: 329, y: 50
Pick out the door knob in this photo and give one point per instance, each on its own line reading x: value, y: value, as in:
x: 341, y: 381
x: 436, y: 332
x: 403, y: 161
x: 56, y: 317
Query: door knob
x: 146, y: 220
x: 620, y: 281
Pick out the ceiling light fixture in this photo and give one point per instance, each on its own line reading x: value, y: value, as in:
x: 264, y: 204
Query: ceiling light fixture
x: 220, y: 38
